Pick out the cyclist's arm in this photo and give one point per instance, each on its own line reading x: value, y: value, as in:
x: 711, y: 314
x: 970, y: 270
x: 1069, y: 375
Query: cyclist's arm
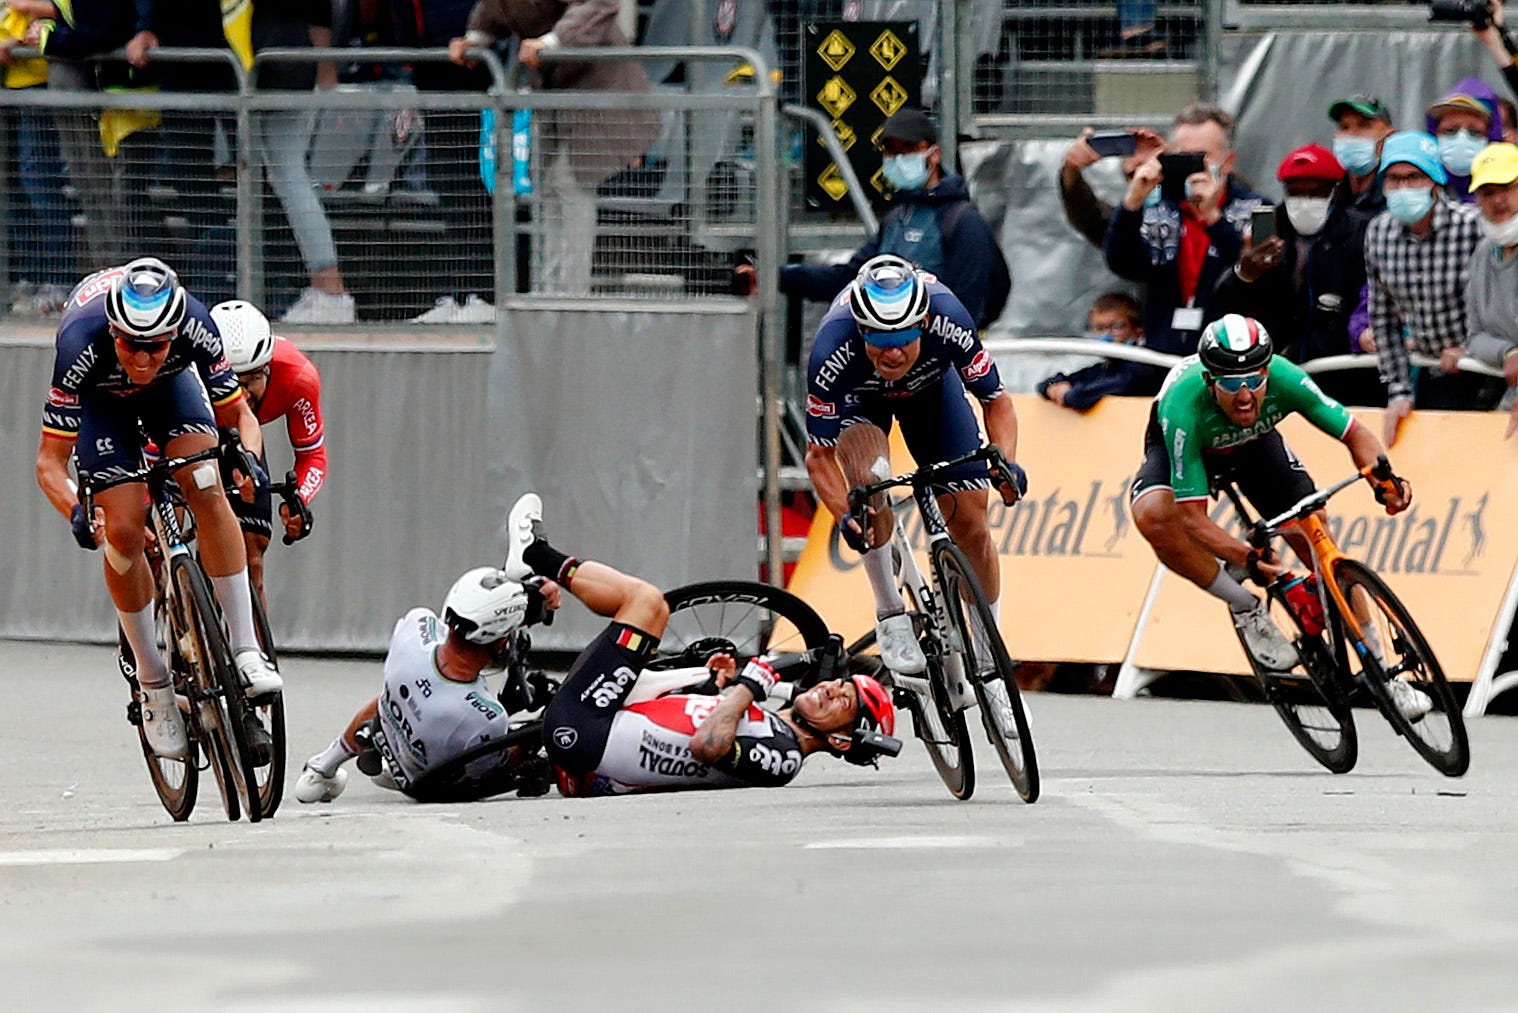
x: 1001, y: 425
x: 235, y: 413
x: 1206, y: 533
x: 53, y: 472
x: 827, y: 478
x: 307, y: 432
x: 714, y: 737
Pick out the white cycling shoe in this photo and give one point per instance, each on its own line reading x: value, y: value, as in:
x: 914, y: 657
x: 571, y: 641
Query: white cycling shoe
x: 162, y: 723
x: 258, y: 673
x: 899, y: 649
x: 524, y: 526
x: 1266, y: 642
x: 314, y: 786
x: 1411, y: 701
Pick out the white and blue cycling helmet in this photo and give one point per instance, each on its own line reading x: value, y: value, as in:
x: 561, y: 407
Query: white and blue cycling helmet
x: 146, y: 300
x: 889, y: 300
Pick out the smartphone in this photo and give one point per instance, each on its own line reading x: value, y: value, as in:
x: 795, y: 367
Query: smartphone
x: 1116, y: 145
x: 1262, y: 225
x: 1174, y: 168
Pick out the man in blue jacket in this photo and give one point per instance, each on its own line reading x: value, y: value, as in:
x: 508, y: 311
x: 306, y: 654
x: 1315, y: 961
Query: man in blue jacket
x: 932, y: 223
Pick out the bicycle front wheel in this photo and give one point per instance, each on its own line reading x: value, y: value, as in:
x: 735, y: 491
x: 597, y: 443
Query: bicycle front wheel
x: 989, y: 667
x: 175, y: 781
x: 1310, y: 699
x: 222, y: 703
x: 1395, y: 649
x: 270, y: 713
x: 743, y: 618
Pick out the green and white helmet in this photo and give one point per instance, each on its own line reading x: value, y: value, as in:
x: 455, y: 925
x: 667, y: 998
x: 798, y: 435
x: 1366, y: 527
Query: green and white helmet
x: 1234, y: 344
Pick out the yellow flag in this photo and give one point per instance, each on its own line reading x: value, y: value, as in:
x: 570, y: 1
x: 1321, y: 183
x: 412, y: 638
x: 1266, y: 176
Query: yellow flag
x: 116, y: 125
x: 23, y: 73
x: 237, y: 25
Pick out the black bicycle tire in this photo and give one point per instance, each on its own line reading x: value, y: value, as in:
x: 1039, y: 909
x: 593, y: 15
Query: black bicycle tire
x: 1024, y: 774
x: 271, y: 789
x: 201, y: 690
x: 177, y: 802
x: 809, y: 625
x: 1340, y: 760
x: 526, y: 734
x: 1452, y: 762
x: 195, y: 592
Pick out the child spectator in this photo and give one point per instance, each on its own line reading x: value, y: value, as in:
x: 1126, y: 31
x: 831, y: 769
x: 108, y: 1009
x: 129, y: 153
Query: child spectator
x: 1114, y: 316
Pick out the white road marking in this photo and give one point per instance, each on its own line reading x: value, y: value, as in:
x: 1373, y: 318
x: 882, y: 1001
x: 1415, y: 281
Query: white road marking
x: 89, y: 856
x: 906, y: 843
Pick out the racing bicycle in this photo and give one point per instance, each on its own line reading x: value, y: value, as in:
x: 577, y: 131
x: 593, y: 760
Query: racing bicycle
x: 737, y: 617
x: 967, y: 661
x: 1353, y: 637
x: 219, y: 719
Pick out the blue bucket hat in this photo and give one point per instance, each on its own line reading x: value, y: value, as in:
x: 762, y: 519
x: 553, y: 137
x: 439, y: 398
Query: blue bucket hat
x: 1417, y: 149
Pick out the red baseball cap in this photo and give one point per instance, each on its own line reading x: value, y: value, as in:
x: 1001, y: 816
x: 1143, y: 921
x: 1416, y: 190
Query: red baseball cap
x: 1312, y: 161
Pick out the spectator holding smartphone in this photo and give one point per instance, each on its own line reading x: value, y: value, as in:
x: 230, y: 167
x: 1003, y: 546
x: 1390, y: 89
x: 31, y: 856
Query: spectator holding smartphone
x: 1182, y: 245
x: 1087, y: 213
x: 1303, y: 281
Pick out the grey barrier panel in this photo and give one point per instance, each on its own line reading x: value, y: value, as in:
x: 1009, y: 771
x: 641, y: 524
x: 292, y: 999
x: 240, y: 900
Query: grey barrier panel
x: 405, y: 510
x: 638, y: 429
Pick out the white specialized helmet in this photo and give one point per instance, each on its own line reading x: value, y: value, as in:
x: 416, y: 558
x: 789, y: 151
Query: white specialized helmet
x: 245, y: 335
x: 484, y: 605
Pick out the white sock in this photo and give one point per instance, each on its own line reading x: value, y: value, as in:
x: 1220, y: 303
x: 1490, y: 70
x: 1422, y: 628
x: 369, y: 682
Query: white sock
x: 1235, y: 594
x: 877, y: 565
x: 996, y: 611
x: 236, y: 598
x: 142, y: 633
x: 326, y: 762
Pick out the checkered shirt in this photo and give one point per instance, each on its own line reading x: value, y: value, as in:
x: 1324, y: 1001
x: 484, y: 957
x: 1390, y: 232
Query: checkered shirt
x: 1419, y: 284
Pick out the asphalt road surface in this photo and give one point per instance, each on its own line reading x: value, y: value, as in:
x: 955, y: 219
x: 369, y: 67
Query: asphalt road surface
x: 1184, y: 856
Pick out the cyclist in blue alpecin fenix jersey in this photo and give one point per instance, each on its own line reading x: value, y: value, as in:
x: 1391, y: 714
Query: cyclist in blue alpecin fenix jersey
x: 137, y: 354
x: 897, y: 344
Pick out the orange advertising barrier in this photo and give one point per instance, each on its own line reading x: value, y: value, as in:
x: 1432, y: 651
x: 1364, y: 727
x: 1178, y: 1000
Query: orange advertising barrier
x: 1074, y: 571
x: 1450, y: 557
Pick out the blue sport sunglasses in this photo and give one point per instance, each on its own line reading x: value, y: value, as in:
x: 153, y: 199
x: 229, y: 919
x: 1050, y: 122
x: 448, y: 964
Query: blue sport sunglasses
x: 1233, y: 384
x: 891, y: 339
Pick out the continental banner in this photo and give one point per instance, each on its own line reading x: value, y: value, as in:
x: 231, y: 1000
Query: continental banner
x: 1449, y: 557
x: 1074, y: 572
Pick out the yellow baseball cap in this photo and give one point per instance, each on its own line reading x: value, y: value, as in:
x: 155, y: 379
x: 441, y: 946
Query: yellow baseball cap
x: 1495, y: 164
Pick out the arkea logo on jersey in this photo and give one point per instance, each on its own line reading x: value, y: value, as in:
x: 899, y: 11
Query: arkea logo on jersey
x: 818, y: 408
x: 979, y: 366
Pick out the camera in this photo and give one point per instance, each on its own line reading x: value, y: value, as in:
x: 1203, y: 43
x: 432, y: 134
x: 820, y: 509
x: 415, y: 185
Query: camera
x: 1477, y: 12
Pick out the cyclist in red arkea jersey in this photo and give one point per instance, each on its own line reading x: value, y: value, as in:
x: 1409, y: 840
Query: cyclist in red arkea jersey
x: 279, y: 382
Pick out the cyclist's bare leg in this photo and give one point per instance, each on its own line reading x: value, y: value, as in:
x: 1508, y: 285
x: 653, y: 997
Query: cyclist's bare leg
x: 1160, y: 523
x: 129, y: 579
x: 864, y: 456
x: 609, y: 592
x: 966, y: 513
x: 218, y: 538
x: 255, y: 546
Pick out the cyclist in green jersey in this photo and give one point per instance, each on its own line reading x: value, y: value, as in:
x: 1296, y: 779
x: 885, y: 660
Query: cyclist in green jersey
x: 1215, y: 418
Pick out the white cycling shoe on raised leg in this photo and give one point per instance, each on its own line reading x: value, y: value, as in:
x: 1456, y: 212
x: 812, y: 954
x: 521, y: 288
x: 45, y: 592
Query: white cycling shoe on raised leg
x: 258, y: 673
x: 899, y: 649
x: 162, y: 724
x: 524, y: 525
x: 314, y: 786
x: 1410, y: 701
x: 1266, y: 641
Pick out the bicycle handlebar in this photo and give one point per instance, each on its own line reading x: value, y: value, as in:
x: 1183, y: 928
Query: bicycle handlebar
x: 1378, y: 474
x: 147, y: 473
x: 924, y: 475
x: 286, y: 491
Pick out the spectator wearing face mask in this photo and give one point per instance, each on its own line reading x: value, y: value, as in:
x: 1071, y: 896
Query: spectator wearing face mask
x: 1417, y: 262
x: 1362, y: 123
x: 1115, y: 317
x: 932, y: 222
x: 1303, y: 282
x: 1491, y: 295
x: 1463, y: 122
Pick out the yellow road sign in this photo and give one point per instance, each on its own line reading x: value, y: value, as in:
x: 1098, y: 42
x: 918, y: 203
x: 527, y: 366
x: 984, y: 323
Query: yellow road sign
x: 888, y: 49
x: 846, y: 135
x: 836, y: 96
x: 832, y: 182
x: 889, y: 96
x: 836, y: 50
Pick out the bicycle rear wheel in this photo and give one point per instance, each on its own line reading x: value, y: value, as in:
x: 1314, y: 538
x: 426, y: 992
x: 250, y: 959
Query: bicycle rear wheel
x: 990, y: 668
x: 270, y: 713
x: 1310, y: 699
x: 741, y: 617
x: 223, y: 704
x: 1397, y: 650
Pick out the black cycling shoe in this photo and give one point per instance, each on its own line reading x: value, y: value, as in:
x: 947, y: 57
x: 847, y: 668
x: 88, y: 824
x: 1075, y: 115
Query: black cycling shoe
x: 534, y: 776
x: 260, y: 745
x: 369, y: 761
